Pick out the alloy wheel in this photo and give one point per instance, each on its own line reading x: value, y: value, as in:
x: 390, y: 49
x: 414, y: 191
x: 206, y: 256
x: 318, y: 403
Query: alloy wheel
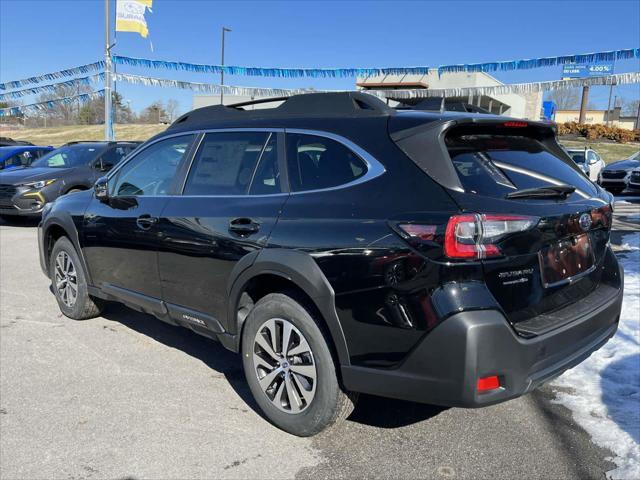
x: 284, y: 365
x: 66, y: 279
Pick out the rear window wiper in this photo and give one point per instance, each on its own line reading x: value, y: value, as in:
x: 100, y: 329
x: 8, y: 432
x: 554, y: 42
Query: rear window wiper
x: 550, y: 191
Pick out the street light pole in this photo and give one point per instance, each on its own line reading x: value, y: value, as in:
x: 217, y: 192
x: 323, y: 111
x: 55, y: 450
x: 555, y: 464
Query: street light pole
x: 108, y: 122
x: 224, y: 30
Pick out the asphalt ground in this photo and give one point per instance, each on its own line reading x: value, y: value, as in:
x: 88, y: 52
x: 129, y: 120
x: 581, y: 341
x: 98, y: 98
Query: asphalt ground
x: 127, y: 396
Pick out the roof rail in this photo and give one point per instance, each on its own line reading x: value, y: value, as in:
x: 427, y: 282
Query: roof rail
x: 312, y: 104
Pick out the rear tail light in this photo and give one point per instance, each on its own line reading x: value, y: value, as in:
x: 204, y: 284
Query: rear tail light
x: 474, y: 236
x: 601, y: 217
x: 486, y: 384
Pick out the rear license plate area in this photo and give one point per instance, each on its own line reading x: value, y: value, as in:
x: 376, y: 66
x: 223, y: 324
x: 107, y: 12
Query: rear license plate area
x: 566, y: 261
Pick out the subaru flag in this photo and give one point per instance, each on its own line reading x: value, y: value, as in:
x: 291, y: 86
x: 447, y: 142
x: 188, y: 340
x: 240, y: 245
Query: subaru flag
x: 130, y: 16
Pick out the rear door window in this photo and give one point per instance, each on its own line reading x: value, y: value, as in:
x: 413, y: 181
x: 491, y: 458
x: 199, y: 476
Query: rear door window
x: 316, y: 162
x: 226, y: 163
x: 494, y: 165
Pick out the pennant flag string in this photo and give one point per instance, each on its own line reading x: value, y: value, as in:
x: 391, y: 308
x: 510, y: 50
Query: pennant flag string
x: 519, y: 88
x: 98, y: 77
x: 69, y: 72
x: 327, y: 72
x: 37, y: 107
x: 209, y: 87
x: 355, y: 72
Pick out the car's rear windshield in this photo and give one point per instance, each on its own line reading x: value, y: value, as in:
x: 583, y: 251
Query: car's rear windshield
x: 494, y: 165
x: 69, y: 156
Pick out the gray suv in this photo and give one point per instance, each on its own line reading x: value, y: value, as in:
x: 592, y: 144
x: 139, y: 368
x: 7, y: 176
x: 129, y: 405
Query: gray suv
x: 73, y: 167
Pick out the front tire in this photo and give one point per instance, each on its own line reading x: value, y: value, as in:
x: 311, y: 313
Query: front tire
x: 289, y: 367
x: 69, y: 283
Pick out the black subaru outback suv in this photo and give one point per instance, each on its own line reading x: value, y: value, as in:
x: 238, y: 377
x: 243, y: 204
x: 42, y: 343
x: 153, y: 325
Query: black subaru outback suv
x: 342, y: 246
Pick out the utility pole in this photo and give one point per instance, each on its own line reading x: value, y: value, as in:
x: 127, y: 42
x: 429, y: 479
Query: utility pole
x: 224, y: 30
x: 108, y: 121
x: 609, y: 103
x: 583, y: 104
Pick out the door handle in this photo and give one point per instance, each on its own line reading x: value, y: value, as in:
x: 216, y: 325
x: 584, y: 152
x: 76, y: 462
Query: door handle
x: 243, y: 226
x: 146, y: 221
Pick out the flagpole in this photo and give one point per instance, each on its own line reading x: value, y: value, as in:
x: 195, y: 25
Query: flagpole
x: 108, y: 121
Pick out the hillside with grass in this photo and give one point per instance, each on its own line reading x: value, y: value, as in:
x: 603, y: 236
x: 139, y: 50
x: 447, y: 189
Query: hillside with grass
x: 56, y: 136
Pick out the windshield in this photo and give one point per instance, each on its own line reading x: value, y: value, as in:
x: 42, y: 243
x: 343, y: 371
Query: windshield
x: 577, y: 157
x: 68, y: 157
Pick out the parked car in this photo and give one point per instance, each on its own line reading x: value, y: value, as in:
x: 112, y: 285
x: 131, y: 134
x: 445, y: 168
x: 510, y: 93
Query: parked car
x: 588, y: 160
x: 342, y: 246
x: 73, y: 167
x: 9, y: 142
x: 20, y: 156
x: 615, y: 176
x: 633, y: 181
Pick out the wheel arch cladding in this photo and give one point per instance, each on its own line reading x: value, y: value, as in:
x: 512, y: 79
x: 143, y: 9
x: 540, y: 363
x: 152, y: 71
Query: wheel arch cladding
x: 293, y: 268
x: 63, y: 227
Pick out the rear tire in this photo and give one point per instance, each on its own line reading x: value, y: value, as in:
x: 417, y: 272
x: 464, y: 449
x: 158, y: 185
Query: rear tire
x: 296, y: 386
x: 69, y: 283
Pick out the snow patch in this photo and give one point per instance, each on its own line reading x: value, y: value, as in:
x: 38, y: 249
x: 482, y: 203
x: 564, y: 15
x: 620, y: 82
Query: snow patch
x: 603, y: 392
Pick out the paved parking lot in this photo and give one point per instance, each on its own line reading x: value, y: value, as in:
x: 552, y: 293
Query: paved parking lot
x: 127, y: 396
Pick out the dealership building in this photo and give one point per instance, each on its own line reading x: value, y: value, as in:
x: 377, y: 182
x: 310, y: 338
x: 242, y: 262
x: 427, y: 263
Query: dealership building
x: 514, y: 105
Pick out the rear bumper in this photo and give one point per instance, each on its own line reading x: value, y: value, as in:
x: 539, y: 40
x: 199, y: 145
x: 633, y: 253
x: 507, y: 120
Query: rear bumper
x: 444, y: 367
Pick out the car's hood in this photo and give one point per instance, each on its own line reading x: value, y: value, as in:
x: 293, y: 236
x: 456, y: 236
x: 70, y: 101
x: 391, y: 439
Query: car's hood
x: 623, y: 165
x: 18, y: 176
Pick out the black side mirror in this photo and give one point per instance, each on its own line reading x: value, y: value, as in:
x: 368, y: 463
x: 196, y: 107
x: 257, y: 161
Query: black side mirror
x: 101, y: 189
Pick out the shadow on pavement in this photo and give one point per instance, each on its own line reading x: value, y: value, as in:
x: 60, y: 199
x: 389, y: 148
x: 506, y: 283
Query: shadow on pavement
x: 390, y: 413
x: 370, y: 410
x: 213, y: 354
x: 571, y: 436
x: 20, y: 222
x: 620, y: 386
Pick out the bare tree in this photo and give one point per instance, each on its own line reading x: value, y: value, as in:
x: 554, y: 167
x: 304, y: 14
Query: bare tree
x: 629, y: 106
x: 565, y: 99
x: 172, y: 109
x: 154, y: 113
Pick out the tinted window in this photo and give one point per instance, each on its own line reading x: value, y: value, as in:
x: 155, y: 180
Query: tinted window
x: 115, y: 155
x: 70, y: 156
x: 495, y: 165
x: 267, y: 177
x: 151, y: 172
x: 316, y: 162
x: 226, y: 162
x: 20, y: 159
x: 577, y: 157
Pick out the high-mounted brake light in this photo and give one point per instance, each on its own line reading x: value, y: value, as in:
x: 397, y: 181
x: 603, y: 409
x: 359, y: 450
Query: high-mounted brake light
x: 515, y: 124
x: 486, y: 384
x: 474, y: 236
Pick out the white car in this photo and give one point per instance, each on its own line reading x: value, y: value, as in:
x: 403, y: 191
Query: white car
x: 588, y: 160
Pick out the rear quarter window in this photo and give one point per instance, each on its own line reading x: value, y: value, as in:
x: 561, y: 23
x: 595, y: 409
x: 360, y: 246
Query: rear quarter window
x: 316, y: 162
